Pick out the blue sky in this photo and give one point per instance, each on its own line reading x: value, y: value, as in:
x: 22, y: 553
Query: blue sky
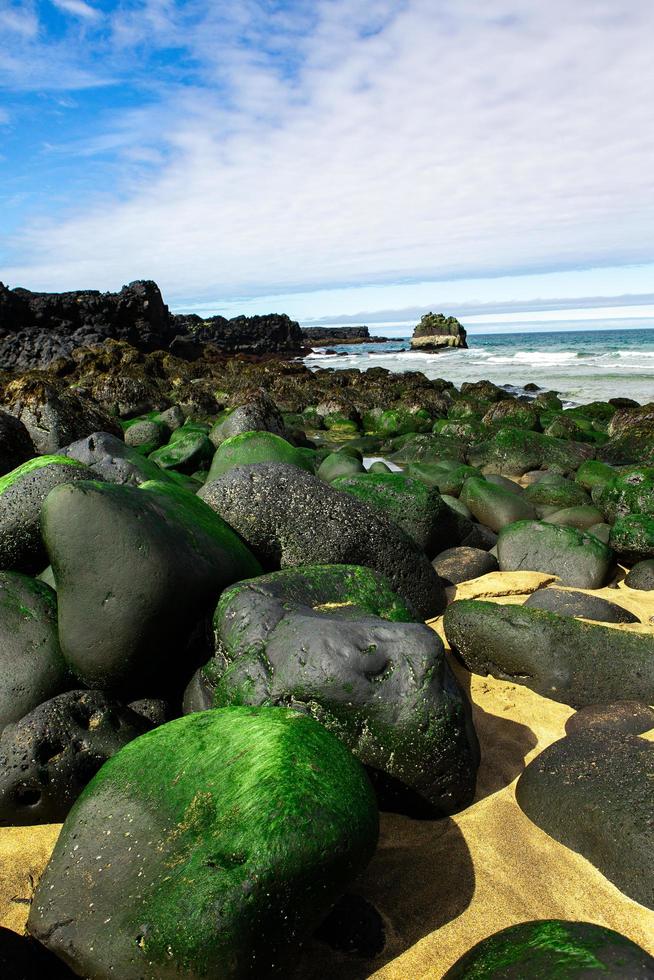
x: 339, y: 160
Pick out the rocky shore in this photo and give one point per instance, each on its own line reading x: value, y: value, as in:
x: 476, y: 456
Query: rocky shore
x: 323, y: 336
x: 315, y: 673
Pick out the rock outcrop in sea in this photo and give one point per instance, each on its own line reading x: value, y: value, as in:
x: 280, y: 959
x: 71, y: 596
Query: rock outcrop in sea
x: 436, y: 332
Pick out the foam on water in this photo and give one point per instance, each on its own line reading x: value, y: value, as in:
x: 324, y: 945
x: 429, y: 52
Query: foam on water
x: 582, y: 365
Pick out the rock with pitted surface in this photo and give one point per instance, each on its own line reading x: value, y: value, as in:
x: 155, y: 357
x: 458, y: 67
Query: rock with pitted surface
x: 462, y: 564
x: 577, y: 558
x: 258, y: 414
x: 594, y: 792
x: 389, y: 694
x: 630, y: 717
x: 641, y: 576
x: 22, y: 493
x: 233, y: 833
x: 49, y: 755
x: 32, y: 668
x: 289, y: 517
x: 559, y: 657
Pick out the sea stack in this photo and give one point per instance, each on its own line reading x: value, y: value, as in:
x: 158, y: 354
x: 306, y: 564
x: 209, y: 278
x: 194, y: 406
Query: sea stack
x: 435, y: 332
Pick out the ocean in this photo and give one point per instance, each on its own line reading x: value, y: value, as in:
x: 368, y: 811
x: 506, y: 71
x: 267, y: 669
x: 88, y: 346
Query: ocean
x: 582, y: 365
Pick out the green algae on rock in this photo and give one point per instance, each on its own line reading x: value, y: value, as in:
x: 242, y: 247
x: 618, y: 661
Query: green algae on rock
x: 32, y: 668
x: 627, y: 493
x: 553, y: 949
x: 494, y: 506
x: 210, y: 846
x: 255, y: 447
x: 136, y: 570
x: 559, y: 657
x: 318, y: 638
x: 632, y: 537
x: 579, y: 559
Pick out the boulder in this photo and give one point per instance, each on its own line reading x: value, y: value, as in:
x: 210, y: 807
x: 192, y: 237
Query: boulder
x: 146, y: 435
x: 513, y: 452
x: 547, y: 498
x: 258, y: 414
x: 510, y: 411
x: 188, y: 450
x: 594, y: 792
x: 626, y: 493
x: 413, y: 506
x: 583, y: 517
x: 462, y: 564
x: 261, y: 819
x: 289, y: 517
x: 16, y: 446
x: 559, y: 657
x: 554, y: 948
x: 335, y: 642
x: 580, y: 560
x: 137, y: 570
x: 251, y: 448
x: 32, y: 667
x: 112, y: 461
x: 494, y: 506
x: 22, y: 493
x: 339, y: 466
x: 568, y: 602
x: 53, y: 414
x: 641, y: 576
x: 49, y: 755
x: 632, y: 537
x: 630, y: 717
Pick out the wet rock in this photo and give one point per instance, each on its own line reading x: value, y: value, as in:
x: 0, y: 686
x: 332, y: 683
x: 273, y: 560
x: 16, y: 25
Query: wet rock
x: 16, y: 446
x: 494, y: 506
x: 461, y: 564
x: 53, y: 414
x: 136, y: 571
x: 559, y: 657
x: 567, y: 602
x: 630, y: 717
x: 22, y: 493
x: 289, y: 517
x: 388, y: 693
x: 413, y: 506
x: 594, y: 792
x: 256, y: 447
x: 583, y: 517
x: 554, y: 948
x: 261, y: 813
x: 547, y: 498
x: 339, y: 466
x: 146, y: 435
x: 580, y: 560
x: 49, y: 755
x: 258, y: 414
x: 641, y: 576
x: 188, y: 450
x: 513, y: 452
x: 32, y: 667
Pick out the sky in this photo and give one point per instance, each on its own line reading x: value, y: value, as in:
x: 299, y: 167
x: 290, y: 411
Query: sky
x: 339, y: 160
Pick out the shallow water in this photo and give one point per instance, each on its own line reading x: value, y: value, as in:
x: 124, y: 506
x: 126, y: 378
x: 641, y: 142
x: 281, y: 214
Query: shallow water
x: 582, y: 365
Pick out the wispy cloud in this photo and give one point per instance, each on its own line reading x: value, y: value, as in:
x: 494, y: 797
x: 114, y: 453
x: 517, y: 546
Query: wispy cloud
x: 291, y: 147
x: 78, y: 8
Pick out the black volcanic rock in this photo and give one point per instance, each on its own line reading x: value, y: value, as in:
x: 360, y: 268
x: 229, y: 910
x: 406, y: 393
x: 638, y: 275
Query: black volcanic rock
x: 274, y: 333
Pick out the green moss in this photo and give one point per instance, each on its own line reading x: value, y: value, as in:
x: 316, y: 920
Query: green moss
x: 34, y: 464
x: 632, y: 537
x: 262, y: 818
x: 547, y: 950
x: 256, y: 447
x: 593, y: 473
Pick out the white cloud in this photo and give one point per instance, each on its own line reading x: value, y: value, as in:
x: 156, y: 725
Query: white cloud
x: 18, y: 20
x: 78, y: 8
x: 392, y: 141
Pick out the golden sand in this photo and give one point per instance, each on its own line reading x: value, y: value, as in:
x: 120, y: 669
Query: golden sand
x: 442, y: 886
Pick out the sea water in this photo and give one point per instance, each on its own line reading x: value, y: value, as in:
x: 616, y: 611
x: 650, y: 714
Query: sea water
x: 582, y: 365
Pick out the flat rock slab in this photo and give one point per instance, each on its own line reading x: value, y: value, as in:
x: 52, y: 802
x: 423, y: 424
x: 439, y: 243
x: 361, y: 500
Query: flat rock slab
x: 594, y: 792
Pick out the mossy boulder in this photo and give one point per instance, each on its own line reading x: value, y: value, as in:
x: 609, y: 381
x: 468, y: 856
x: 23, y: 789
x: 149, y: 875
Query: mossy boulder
x: 583, y: 517
x: 136, y: 571
x: 494, y: 506
x: 627, y: 493
x: 339, y: 465
x: 388, y: 695
x: 593, y: 473
x: 146, y: 435
x: 22, y: 492
x: 559, y: 657
x: 447, y: 479
x: 32, y: 668
x: 289, y: 518
x: 553, y: 949
x: 514, y: 451
x: 511, y: 412
x: 413, y: 506
x: 398, y: 421
x: 258, y: 414
x: 547, y: 498
x: 255, y: 447
x: 578, y: 559
x: 112, y: 461
x: 632, y: 537
x: 427, y: 448
x: 233, y: 832
x: 188, y: 449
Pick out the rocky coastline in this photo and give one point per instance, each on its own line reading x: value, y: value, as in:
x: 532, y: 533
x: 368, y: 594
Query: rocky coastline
x: 189, y: 531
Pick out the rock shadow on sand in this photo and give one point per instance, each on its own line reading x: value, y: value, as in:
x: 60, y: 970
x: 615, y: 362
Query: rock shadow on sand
x: 420, y: 878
